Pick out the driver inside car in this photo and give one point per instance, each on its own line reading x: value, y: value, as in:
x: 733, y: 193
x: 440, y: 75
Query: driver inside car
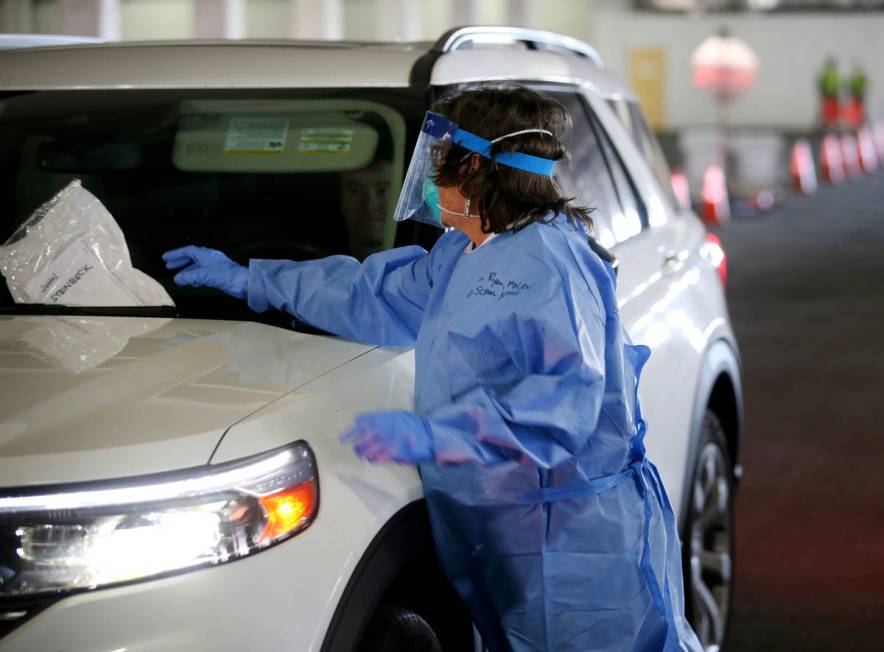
x: 363, y: 198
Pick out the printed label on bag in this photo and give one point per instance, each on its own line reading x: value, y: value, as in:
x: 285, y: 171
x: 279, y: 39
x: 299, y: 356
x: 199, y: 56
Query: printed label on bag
x: 75, y: 277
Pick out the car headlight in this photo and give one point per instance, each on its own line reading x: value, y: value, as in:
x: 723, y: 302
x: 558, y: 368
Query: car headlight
x: 87, y: 535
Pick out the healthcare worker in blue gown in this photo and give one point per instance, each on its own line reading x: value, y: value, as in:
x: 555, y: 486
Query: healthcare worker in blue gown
x: 548, y: 518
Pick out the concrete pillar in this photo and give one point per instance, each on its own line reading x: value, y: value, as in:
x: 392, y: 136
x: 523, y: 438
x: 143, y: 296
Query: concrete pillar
x: 464, y: 12
x: 518, y: 12
x: 109, y: 21
x: 399, y: 20
x: 317, y: 20
x: 214, y: 19
x: 208, y: 19
x: 234, y: 19
x: 18, y: 17
x: 99, y: 18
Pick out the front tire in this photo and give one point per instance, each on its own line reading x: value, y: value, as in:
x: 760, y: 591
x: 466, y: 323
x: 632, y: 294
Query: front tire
x: 396, y: 629
x: 708, y: 544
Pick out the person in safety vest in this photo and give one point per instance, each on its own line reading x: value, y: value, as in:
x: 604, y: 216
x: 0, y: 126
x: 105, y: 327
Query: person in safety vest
x: 856, y: 109
x: 829, y: 85
x: 548, y: 518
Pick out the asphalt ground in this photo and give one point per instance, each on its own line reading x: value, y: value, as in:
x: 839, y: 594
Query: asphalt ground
x: 806, y: 296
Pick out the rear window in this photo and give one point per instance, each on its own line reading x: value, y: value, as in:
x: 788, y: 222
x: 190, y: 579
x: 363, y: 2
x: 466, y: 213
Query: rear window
x: 256, y: 174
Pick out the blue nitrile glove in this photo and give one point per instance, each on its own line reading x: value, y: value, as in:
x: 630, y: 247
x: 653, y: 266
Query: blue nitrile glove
x: 396, y: 436
x: 208, y: 267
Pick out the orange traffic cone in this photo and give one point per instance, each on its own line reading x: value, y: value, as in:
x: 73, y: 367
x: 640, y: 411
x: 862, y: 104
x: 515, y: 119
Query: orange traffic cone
x: 850, y: 156
x: 716, y: 207
x: 681, y: 189
x: 868, y: 156
x: 802, y: 168
x: 831, y: 160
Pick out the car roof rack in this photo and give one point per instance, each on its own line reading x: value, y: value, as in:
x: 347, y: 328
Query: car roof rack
x: 534, y: 39
x: 18, y: 41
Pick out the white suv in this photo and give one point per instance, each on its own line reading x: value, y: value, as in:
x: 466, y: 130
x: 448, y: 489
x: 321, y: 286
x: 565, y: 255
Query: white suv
x: 172, y: 478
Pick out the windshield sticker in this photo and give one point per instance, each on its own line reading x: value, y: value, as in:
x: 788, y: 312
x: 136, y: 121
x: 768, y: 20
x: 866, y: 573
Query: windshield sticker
x: 326, y: 140
x: 256, y: 136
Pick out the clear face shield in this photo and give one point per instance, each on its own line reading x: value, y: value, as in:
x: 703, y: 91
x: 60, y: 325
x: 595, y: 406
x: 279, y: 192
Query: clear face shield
x: 419, y: 199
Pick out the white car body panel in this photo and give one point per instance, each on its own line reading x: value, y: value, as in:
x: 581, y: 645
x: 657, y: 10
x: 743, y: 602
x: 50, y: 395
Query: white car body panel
x: 209, y: 65
x: 273, y: 386
x: 207, y: 610
x: 64, y: 424
x: 357, y: 498
x: 284, y: 64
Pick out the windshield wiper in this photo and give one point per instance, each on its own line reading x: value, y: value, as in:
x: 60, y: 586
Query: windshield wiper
x: 95, y: 311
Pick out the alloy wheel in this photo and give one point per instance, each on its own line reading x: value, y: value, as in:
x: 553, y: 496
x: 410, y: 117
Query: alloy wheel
x: 711, y: 541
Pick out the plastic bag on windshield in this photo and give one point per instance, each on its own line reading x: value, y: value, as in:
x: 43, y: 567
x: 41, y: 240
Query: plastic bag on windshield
x: 72, y: 252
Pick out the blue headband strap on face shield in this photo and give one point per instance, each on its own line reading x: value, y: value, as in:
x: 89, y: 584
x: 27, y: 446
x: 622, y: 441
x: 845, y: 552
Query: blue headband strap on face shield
x: 518, y: 160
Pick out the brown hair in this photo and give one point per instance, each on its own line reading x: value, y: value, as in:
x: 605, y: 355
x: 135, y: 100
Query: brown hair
x: 507, y: 197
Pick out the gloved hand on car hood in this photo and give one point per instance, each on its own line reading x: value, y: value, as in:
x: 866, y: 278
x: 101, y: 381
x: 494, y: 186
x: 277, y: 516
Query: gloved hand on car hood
x: 396, y: 436
x: 208, y: 267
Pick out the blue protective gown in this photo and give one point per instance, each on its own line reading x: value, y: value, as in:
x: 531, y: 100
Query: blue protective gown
x: 548, y: 519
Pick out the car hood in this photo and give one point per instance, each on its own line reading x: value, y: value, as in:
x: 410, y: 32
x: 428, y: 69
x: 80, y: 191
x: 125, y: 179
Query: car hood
x: 88, y: 398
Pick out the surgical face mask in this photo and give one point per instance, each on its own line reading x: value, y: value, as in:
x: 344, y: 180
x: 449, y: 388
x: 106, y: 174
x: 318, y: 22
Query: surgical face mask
x: 432, y: 200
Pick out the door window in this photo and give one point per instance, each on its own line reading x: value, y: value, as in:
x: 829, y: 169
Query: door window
x: 596, y: 178
x: 632, y: 217
x: 646, y: 142
x: 585, y: 177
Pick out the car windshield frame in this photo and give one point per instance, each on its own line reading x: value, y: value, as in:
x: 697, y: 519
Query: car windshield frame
x: 397, y: 110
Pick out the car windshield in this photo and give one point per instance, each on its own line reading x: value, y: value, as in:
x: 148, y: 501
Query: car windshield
x: 291, y: 174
